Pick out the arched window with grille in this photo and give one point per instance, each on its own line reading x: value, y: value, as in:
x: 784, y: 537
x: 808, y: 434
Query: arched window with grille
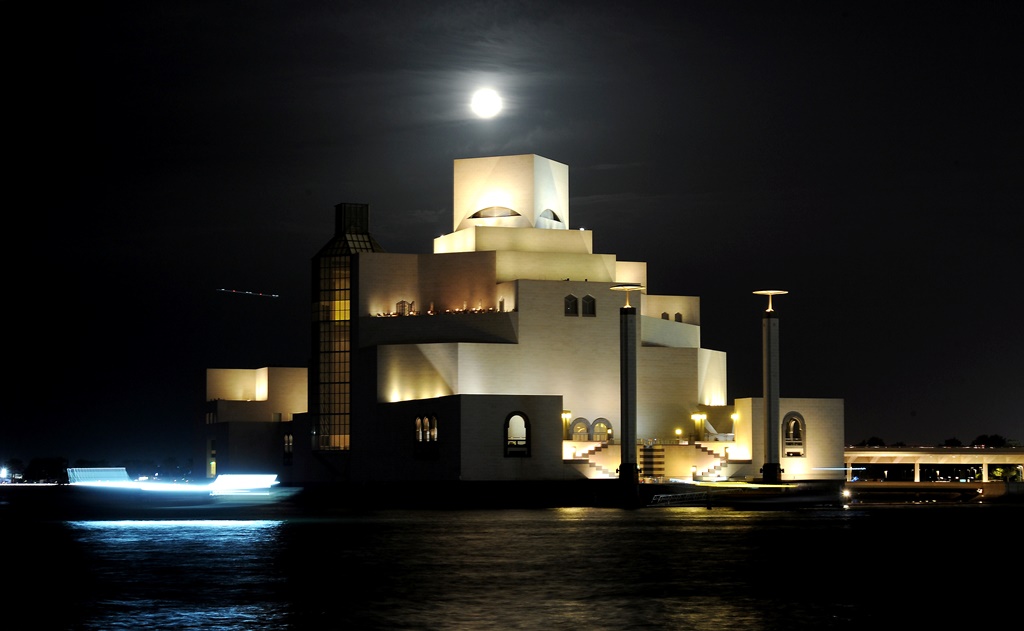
x: 794, y: 435
x: 581, y: 429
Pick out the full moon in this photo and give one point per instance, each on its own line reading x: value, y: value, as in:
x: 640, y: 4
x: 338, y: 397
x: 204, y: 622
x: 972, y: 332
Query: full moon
x: 486, y: 103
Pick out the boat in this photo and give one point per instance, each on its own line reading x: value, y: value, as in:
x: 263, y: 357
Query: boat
x: 109, y: 493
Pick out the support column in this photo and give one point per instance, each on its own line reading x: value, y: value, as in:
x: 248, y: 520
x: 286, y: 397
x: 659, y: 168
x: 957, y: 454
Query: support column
x: 627, y: 394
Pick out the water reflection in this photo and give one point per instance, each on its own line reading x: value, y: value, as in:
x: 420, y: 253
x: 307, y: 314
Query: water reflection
x: 574, y: 568
x: 181, y: 575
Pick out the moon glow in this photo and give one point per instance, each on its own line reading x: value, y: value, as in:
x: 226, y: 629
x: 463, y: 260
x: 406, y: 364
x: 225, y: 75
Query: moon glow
x: 486, y: 103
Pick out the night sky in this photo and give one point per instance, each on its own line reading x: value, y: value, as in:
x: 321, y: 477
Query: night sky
x: 866, y: 157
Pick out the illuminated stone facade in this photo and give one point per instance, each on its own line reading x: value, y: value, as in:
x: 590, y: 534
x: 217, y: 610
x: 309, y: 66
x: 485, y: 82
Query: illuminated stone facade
x: 497, y: 357
x: 247, y: 425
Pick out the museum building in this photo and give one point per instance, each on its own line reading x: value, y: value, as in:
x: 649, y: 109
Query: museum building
x: 502, y: 357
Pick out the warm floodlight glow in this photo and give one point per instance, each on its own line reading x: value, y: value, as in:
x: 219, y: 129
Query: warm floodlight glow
x: 486, y: 103
x: 699, y: 418
x: 770, y: 293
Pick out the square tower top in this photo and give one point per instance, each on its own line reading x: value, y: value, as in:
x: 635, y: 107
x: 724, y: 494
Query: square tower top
x: 524, y: 191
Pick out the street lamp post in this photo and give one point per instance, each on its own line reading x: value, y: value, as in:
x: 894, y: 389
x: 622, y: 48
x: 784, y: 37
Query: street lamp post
x: 772, y: 468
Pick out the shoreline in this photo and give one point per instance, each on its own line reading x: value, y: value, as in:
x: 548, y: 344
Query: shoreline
x: 70, y: 503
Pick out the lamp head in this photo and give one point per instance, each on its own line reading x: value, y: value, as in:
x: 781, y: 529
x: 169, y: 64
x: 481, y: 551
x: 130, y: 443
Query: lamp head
x: 770, y: 293
x: 627, y: 287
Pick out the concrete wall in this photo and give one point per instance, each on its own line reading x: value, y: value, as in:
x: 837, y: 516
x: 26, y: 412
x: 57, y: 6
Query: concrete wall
x: 445, y: 282
x: 471, y: 441
x: 576, y: 358
x: 527, y: 184
x: 261, y: 394
x: 688, y: 307
x: 483, y: 421
x: 254, y: 409
x: 824, y: 441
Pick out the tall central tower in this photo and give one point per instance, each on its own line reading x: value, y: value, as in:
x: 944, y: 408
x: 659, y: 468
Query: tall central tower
x: 330, y: 376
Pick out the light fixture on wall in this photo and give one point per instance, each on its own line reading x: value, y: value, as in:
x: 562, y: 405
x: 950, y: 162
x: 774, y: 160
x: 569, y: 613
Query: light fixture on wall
x: 698, y: 424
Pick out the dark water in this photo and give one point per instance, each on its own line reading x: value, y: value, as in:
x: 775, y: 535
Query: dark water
x: 573, y: 568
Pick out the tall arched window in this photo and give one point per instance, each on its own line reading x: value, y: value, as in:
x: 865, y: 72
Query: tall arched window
x: 580, y: 429
x: 517, y: 436
x: 426, y: 445
x: 426, y: 429
x: 289, y: 443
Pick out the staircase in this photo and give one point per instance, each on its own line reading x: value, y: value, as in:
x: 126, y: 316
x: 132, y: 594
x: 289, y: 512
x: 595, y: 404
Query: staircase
x: 590, y: 465
x: 652, y: 461
x: 599, y: 462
